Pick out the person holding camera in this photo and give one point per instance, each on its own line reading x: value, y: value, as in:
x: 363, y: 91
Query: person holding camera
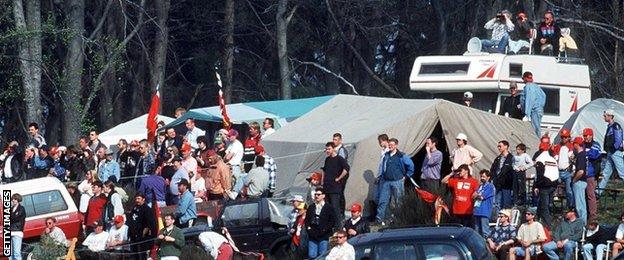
x: 500, y: 25
x: 11, y: 162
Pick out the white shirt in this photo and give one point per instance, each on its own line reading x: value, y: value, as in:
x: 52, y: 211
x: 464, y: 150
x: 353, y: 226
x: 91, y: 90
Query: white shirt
x: 235, y: 148
x: 7, y: 166
x: 58, y: 236
x: 115, y: 234
x: 211, y: 242
x: 267, y: 132
x: 342, y: 252
x: 96, y: 242
x: 550, y: 166
x: 191, y: 137
x: 563, y: 158
x: 619, y: 234
x: 198, y: 185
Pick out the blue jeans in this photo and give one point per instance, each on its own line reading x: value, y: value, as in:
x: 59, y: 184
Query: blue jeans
x: 316, y: 248
x: 482, y: 225
x: 378, y: 191
x: 580, y: 203
x: 389, y: 190
x: 502, y: 200
x: 240, y: 178
x: 500, y: 44
x: 550, y: 249
x: 16, y: 243
x: 613, y: 159
x: 536, y: 120
x: 566, y: 178
x: 587, y: 251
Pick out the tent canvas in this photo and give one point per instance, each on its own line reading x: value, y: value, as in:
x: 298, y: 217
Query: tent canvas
x: 134, y: 129
x: 282, y: 111
x: 298, y: 148
x: 590, y: 116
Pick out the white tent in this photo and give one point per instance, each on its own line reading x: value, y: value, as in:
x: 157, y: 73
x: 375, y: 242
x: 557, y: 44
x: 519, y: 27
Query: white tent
x: 134, y: 129
x: 590, y: 116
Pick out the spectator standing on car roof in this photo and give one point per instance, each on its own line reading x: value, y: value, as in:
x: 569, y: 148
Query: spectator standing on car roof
x: 18, y: 220
x: 343, y: 250
x: 320, y: 220
x: 356, y: 224
x: 533, y: 101
x: 170, y: 239
x: 463, y: 186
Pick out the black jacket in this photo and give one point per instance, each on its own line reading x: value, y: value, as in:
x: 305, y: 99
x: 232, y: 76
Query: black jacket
x: 18, y: 218
x: 139, y: 218
x: 360, y: 227
x: 320, y: 226
x: 512, y: 106
x: 504, y: 179
x: 177, y: 141
x: 603, y: 234
x: 16, y: 168
x: 76, y: 167
x: 542, y: 181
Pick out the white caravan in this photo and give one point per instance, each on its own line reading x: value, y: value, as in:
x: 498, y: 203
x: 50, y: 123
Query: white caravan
x: 488, y: 76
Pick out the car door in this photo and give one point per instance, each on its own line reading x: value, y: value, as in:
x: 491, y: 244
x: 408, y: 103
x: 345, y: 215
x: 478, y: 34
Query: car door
x: 394, y: 250
x: 243, y: 222
x: 440, y: 250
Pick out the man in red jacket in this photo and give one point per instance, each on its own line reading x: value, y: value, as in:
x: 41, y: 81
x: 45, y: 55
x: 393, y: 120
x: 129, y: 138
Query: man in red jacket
x: 95, y: 209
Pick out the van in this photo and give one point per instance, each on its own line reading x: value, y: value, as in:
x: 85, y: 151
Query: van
x: 488, y: 76
x: 42, y: 198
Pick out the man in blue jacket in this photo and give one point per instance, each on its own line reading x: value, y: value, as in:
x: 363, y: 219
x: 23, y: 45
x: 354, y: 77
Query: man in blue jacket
x: 396, y: 166
x: 613, y: 146
x: 593, y: 150
x: 533, y: 100
x: 186, y: 212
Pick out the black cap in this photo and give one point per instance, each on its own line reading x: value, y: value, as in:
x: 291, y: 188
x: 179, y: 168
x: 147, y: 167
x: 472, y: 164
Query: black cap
x: 184, y: 182
x: 176, y: 159
x: 45, y: 148
x: 571, y: 210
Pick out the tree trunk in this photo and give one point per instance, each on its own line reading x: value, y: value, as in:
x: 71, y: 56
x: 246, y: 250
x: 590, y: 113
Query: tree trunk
x: 72, y: 88
x: 29, y: 53
x: 441, y: 15
x: 161, y: 40
x: 281, y: 31
x: 229, y: 50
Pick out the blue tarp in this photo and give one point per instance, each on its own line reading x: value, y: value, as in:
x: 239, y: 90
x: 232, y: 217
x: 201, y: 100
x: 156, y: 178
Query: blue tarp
x: 282, y: 111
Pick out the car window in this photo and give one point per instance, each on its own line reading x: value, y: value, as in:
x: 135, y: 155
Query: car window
x: 441, y: 252
x: 477, y: 246
x: 395, y: 251
x: 240, y: 215
x: 44, y: 203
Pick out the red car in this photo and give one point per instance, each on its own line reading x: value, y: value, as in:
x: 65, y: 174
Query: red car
x: 42, y: 198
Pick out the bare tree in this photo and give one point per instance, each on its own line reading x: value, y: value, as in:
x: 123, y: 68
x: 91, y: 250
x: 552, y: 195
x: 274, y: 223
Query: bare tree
x: 229, y: 50
x: 161, y: 41
x: 283, y: 18
x: 29, y: 52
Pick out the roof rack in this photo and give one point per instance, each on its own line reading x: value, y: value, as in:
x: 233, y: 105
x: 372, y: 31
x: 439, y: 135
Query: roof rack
x: 422, y: 225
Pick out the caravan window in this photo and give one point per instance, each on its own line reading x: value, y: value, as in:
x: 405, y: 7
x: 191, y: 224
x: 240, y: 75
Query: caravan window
x: 515, y: 70
x: 455, y: 68
x: 552, y: 101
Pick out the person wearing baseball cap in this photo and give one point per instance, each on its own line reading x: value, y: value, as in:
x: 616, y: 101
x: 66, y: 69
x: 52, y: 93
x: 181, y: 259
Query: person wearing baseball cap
x: 315, y: 181
x: 468, y: 96
x: 186, y: 212
x: 234, y: 156
x: 534, y: 102
x: 109, y: 169
x: 118, y: 233
x: 464, y: 153
x: 564, y: 153
x: 503, y: 235
x: 96, y: 241
x: 579, y: 179
x: 593, y: 150
x: 546, y: 180
x: 614, y: 146
x: 356, y: 224
x: 530, y: 236
x: 296, y: 200
x: 566, y: 236
x: 269, y: 165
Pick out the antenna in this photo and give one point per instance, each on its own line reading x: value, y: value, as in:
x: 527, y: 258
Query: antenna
x: 474, y: 45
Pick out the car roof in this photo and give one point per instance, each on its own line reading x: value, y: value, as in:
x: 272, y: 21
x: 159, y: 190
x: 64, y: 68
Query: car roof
x: 412, y: 233
x: 34, y: 185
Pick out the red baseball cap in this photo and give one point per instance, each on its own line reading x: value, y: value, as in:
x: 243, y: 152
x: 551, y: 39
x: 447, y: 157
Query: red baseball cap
x: 588, y: 131
x: 118, y: 219
x: 578, y: 140
x: 544, y: 146
x: 356, y: 207
x: 185, y: 147
x: 316, y: 176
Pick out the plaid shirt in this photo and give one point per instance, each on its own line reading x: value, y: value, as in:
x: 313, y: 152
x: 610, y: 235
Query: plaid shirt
x: 269, y: 165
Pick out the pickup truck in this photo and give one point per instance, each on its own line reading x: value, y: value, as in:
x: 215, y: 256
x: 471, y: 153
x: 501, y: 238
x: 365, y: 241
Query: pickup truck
x: 256, y: 225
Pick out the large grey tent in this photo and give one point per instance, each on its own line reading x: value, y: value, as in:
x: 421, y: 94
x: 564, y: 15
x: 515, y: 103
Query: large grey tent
x: 590, y: 116
x: 298, y: 148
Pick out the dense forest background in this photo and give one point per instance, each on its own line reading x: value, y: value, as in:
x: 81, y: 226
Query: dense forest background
x: 76, y: 65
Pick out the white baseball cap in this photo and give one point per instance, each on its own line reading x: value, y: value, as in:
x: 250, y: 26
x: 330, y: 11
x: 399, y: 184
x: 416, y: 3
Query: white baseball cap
x: 468, y: 95
x: 462, y: 136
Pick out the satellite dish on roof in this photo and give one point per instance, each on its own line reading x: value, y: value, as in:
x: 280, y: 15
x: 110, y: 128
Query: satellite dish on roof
x: 474, y: 45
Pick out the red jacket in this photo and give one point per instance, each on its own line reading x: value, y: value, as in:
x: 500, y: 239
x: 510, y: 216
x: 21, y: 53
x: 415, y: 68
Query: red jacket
x: 95, y: 209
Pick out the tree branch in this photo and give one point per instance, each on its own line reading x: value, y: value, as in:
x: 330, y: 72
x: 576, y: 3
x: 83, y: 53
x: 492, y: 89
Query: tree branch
x: 101, y: 22
x: 321, y: 67
x: 372, y: 74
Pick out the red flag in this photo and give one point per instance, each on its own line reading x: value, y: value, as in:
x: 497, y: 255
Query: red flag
x: 574, y: 106
x: 226, y: 119
x: 159, y: 224
x: 426, y: 196
x: 152, y: 116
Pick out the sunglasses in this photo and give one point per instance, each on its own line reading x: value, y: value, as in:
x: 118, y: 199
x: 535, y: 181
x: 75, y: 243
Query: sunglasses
x: 340, y: 236
x: 528, y: 213
x: 49, y: 222
x: 318, y: 194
